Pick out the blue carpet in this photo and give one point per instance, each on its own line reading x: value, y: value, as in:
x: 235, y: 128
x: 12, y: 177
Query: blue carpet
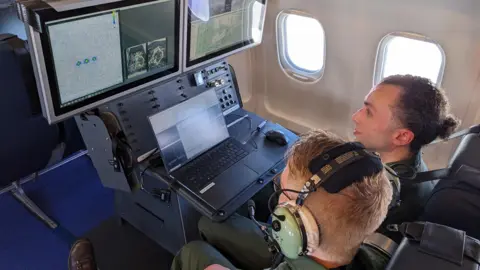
x: 73, y: 196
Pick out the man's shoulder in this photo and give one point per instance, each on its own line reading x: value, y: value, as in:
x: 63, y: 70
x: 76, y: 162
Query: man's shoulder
x: 367, y: 258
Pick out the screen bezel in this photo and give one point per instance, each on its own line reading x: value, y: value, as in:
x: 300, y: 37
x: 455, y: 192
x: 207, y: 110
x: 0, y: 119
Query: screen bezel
x: 241, y: 46
x: 48, y: 15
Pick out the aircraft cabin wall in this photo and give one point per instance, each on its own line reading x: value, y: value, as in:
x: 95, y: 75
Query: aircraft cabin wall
x: 353, y: 31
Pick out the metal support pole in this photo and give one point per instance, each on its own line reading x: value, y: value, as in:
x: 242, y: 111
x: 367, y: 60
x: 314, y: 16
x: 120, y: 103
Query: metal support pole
x: 17, y: 191
x: 20, y: 195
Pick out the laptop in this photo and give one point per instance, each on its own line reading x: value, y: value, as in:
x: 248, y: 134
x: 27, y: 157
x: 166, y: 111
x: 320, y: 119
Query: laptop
x: 198, y: 151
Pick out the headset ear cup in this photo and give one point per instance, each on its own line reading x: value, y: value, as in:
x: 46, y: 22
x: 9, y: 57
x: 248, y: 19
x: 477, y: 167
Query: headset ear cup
x: 287, y: 231
x: 312, y: 230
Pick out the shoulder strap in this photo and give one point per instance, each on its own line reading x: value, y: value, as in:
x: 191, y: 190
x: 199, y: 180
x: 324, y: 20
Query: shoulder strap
x: 396, y: 186
x: 461, y: 133
x: 417, y: 177
x: 421, y: 177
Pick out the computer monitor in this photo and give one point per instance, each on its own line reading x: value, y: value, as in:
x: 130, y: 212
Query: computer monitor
x: 189, y: 129
x: 216, y: 29
x: 90, y: 56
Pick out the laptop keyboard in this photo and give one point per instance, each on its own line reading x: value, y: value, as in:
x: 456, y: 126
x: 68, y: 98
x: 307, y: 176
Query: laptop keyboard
x: 206, y: 167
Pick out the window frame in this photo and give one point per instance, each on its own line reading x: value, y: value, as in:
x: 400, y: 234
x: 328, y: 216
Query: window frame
x: 382, y: 51
x: 284, y: 60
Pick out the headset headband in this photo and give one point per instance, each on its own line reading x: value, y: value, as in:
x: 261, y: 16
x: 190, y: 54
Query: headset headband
x: 360, y: 163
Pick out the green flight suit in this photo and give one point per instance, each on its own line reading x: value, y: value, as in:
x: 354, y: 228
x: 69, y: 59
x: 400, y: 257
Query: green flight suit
x: 238, y: 243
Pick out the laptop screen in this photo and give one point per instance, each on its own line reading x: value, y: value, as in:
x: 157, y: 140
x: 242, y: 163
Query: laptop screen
x: 188, y: 129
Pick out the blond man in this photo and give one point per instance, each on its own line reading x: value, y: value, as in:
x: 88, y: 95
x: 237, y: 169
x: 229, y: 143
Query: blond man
x: 345, y: 219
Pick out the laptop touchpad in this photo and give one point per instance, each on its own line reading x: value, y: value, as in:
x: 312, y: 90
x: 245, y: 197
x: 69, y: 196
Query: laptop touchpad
x: 229, y: 184
x: 257, y: 162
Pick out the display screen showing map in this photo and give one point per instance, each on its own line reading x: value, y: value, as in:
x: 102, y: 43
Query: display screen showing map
x: 217, y: 27
x: 104, y: 52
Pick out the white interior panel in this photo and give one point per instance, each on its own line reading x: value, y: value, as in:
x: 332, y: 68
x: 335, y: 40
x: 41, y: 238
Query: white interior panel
x: 241, y: 63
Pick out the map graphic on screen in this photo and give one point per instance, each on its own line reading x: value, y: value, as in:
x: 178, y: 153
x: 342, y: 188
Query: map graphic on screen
x: 87, y: 55
x: 218, y: 27
x: 218, y: 33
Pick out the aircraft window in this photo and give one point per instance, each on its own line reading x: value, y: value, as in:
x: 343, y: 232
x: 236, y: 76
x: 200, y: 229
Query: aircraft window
x: 405, y: 53
x: 301, y: 45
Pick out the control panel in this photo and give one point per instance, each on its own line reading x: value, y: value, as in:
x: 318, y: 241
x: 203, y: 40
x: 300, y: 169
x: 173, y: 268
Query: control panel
x: 219, y: 77
x: 227, y: 98
x: 133, y: 111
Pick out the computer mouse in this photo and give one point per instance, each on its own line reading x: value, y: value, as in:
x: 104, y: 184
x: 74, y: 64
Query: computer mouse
x: 277, y: 137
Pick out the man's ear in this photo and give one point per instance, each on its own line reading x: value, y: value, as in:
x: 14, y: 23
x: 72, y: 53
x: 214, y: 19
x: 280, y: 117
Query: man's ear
x: 403, y: 137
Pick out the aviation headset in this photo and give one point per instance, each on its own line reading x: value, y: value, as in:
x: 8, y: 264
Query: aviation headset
x: 294, y: 229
